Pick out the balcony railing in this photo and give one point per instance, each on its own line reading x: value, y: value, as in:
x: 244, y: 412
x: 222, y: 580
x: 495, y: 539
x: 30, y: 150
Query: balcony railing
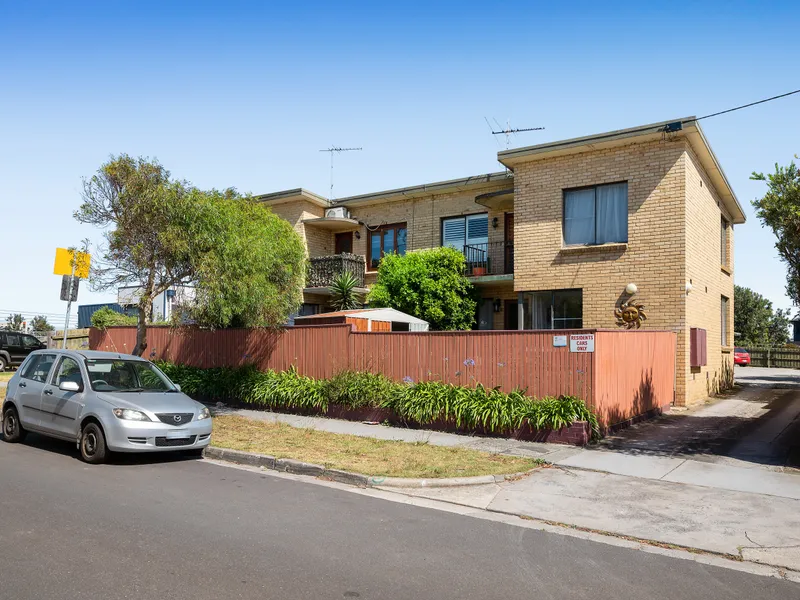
x: 323, y: 270
x: 494, y: 258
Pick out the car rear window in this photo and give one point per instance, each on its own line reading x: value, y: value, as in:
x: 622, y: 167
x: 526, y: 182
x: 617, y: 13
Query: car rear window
x: 740, y: 350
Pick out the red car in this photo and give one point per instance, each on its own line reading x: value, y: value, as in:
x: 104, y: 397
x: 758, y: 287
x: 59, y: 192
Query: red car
x: 741, y: 357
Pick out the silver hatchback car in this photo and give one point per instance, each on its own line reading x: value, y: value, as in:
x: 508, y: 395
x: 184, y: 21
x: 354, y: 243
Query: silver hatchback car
x: 104, y: 402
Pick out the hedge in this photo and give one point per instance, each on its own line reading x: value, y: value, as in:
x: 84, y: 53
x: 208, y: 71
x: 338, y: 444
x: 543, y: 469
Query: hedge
x: 424, y: 403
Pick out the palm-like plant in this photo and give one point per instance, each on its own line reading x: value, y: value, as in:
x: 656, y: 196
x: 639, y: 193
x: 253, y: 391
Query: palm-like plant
x: 343, y: 292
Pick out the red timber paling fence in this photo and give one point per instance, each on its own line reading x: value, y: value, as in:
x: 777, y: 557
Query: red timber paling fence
x: 628, y: 374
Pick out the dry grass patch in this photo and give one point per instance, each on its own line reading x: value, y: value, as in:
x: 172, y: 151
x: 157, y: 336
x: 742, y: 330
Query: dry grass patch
x: 358, y: 454
x: 6, y: 375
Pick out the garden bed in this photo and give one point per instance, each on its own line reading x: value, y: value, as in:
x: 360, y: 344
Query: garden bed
x: 374, y: 398
x: 579, y: 433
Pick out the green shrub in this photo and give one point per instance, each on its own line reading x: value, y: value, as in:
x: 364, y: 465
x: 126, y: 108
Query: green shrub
x: 286, y: 389
x: 430, y: 284
x: 424, y: 403
x: 360, y: 389
x: 555, y: 413
x: 106, y: 317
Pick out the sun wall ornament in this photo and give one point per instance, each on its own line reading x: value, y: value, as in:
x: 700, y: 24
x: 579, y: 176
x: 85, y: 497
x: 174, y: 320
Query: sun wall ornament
x: 630, y: 314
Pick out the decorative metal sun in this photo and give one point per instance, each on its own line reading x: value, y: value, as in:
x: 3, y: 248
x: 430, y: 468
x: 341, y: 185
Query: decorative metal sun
x: 630, y: 314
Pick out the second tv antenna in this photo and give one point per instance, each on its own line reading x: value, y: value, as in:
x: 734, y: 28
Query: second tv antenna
x: 333, y: 150
x: 508, y: 130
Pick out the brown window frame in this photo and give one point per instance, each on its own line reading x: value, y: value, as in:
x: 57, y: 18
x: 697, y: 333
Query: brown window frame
x: 381, y: 231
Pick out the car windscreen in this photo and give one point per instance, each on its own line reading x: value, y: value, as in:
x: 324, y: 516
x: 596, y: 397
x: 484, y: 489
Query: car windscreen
x: 119, y: 375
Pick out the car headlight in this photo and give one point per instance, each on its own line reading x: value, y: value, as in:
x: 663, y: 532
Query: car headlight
x: 204, y: 414
x: 128, y: 414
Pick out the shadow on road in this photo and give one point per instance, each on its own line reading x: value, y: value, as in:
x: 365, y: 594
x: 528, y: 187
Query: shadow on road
x: 64, y: 448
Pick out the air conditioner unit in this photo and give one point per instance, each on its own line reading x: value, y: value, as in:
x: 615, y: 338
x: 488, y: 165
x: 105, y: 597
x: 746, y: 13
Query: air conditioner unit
x: 339, y: 212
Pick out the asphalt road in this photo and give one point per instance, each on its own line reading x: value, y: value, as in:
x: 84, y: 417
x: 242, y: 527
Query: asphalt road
x: 160, y: 528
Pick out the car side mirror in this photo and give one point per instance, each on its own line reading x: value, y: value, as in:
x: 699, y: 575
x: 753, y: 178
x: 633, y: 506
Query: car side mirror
x: 177, y: 386
x: 69, y: 386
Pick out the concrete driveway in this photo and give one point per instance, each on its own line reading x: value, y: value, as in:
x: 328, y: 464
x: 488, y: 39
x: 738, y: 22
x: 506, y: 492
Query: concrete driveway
x: 756, y: 425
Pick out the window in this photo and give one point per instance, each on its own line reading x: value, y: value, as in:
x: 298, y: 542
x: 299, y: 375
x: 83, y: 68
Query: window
x: 387, y: 239
x: 596, y: 215
x: 68, y: 370
x: 126, y: 376
x: 307, y: 309
x: 468, y: 234
x: 724, y: 324
x: 13, y: 340
x: 723, y: 242
x: 28, y: 341
x: 38, y: 367
x: 555, y: 309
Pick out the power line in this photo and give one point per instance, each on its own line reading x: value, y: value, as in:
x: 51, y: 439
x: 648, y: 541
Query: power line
x: 676, y: 125
x: 722, y: 112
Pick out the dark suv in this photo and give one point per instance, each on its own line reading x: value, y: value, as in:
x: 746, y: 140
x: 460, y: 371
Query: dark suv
x: 15, y: 346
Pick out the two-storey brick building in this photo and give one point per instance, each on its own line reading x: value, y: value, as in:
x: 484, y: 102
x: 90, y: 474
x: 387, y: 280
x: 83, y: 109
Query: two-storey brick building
x: 554, y: 241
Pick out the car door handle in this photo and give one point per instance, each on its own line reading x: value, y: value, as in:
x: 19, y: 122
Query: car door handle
x: 49, y: 392
x: 23, y: 384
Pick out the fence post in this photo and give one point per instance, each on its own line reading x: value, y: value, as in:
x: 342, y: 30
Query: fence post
x: 768, y: 357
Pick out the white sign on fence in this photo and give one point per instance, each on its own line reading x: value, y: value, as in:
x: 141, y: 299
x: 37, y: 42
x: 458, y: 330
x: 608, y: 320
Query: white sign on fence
x: 581, y: 342
x: 559, y: 341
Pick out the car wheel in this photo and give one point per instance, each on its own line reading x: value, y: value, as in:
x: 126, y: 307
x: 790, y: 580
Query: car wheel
x: 3, y: 364
x: 13, y: 431
x: 93, y: 444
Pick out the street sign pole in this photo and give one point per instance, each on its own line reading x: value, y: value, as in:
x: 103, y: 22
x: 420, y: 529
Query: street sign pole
x: 73, y: 266
x: 69, y: 305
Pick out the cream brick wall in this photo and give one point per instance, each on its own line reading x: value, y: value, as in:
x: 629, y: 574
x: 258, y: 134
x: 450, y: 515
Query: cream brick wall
x: 318, y: 241
x: 654, y: 258
x: 423, y: 218
x: 709, y: 283
x: 673, y: 237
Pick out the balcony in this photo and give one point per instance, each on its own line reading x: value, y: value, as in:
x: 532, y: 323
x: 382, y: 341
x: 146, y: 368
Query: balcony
x: 323, y: 270
x: 494, y: 258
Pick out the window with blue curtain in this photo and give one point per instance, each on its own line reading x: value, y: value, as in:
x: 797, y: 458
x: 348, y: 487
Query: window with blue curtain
x: 596, y: 215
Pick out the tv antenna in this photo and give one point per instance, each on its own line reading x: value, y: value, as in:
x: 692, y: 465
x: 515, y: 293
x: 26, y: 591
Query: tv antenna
x: 508, y: 130
x: 333, y: 150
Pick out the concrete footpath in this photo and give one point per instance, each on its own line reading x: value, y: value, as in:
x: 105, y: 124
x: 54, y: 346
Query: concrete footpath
x: 754, y: 527
x: 677, y: 466
x: 713, y: 478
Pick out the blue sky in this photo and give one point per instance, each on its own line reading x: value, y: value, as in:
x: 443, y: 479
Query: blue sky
x: 244, y: 94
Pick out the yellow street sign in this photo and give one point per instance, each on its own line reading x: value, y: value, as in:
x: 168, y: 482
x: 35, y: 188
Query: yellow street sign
x: 64, y: 263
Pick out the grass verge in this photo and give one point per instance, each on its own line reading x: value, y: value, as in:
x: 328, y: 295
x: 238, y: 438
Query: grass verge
x: 6, y: 375
x: 359, y: 454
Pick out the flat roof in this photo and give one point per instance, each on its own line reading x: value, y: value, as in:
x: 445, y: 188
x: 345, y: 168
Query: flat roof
x: 285, y: 196
x: 687, y: 127
x: 450, y: 185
